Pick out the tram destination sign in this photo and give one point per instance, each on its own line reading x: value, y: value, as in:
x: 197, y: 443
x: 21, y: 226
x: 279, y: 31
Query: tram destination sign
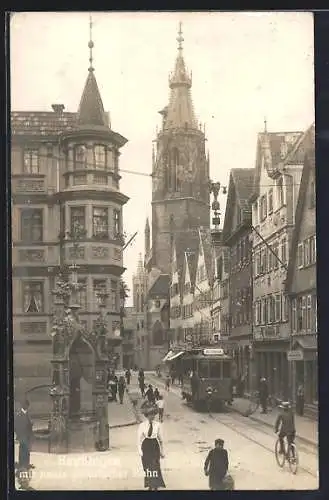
x: 213, y: 352
x: 295, y: 355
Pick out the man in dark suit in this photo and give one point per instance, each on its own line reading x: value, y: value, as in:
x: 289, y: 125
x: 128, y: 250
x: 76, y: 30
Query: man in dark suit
x: 24, y: 434
x: 216, y: 465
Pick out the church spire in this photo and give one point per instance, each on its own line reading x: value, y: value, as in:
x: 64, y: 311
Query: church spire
x: 91, y: 109
x: 267, y: 147
x: 180, y: 112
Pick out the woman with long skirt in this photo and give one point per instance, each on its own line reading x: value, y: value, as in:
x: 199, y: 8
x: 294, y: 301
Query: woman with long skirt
x: 150, y: 447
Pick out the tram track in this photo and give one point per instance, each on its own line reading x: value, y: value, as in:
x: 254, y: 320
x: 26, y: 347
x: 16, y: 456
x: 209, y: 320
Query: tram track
x: 248, y: 425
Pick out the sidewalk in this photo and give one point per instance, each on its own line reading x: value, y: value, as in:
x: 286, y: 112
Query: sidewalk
x: 121, y: 415
x: 307, y: 430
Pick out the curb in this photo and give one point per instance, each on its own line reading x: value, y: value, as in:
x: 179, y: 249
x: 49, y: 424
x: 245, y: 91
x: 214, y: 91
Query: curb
x: 255, y: 419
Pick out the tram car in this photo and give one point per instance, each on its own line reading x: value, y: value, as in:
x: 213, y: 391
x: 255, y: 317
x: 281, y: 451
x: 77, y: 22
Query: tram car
x: 207, y: 372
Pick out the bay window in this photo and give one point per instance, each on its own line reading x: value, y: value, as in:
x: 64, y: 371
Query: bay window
x: 100, y: 222
x: 100, y: 157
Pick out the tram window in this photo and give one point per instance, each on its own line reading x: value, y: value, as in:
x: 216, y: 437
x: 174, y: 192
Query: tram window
x: 214, y: 369
x: 203, y: 368
x: 226, y: 369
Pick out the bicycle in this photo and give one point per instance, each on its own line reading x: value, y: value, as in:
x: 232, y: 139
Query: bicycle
x: 290, y: 455
x: 254, y: 403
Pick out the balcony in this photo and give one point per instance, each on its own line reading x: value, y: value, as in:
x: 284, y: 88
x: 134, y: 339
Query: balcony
x: 28, y: 184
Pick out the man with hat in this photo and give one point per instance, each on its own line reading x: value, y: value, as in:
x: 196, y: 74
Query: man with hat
x: 216, y: 465
x: 285, y: 425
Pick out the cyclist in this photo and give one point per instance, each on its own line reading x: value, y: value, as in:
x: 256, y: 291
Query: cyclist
x: 285, y: 425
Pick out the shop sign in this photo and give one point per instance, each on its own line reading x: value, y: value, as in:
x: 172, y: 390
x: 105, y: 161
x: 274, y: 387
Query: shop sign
x: 295, y: 356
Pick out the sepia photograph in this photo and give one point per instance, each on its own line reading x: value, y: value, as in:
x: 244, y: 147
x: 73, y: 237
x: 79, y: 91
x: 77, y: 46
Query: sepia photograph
x: 164, y: 295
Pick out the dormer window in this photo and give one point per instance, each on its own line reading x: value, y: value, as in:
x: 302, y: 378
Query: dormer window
x: 80, y: 157
x: 100, y: 157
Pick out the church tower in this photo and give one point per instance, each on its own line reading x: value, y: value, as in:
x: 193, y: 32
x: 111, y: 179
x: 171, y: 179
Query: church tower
x: 180, y: 171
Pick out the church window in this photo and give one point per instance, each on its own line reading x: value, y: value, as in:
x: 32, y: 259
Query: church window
x: 176, y: 178
x: 142, y: 302
x: 33, y: 297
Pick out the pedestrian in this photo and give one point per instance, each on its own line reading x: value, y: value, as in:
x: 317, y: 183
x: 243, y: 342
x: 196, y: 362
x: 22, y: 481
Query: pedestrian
x: 142, y: 386
x: 156, y: 394
x: 150, y: 394
x: 180, y: 379
x: 216, y: 465
x: 173, y: 377
x: 121, y: 388
x: 160, y: 405
x: 150, y: 448
x: 263, y: 394
x: 167, y: 383
x: 300, y: 400
x: 128, y: 376
x: 113, y: 385
x: 24, y: 435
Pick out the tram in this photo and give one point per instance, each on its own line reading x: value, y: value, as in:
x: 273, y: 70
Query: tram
x: 206, y: 372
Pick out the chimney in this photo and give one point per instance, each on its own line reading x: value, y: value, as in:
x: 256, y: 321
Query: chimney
x: 58, y: 108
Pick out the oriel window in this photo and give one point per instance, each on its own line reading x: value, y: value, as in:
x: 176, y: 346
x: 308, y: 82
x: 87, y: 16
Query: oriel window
x: 114, y: 296
x: 117, y: 222
x: 78, y: 219
x: 31, y: 225
x: 100, y: 157
x: 33, y: 301
x: 100, y: 222
x: 80, y: 157
x: 31, y: 161
x: 98, y: 285
x: 82, y: 294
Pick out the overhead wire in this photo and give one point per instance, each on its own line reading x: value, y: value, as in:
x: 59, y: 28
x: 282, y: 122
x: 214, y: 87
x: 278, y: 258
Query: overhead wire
x: 125, y: 171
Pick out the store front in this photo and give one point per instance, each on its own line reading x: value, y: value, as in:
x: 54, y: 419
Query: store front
x: 306, y: 367
x: 271, y: 363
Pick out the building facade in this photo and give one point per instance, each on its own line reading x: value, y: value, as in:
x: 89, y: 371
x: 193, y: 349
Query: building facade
x: 140, y: 318
x: 65, y: 185
x: 237, y: 243
x: 279, y: 164
x: 302, y: 288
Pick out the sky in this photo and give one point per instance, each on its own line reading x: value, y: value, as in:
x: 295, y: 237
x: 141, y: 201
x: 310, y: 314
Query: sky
x: 245, y: 67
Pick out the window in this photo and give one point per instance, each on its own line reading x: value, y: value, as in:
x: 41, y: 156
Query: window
x: 303, y: 313
x: 312, y: 250
x: 275, y: 248
x: 31, y: 225
x: 258, y: 263
x: 114, y: 296
x: 239, y: 216
x: 308, y: 312
x: 270, y: 259
x: 219, y: 268
x: 214, y: 369
x: 100, y: 157
x: 300, y: 255
x: 33, y: 297
x: 270, y: 201
x: 78, y: 218
x: 82, y: 294
x: 263, y: 208
x: 314, y: 314
x: 117, y: 222
x: 263, y: 265
x: 97, y: 286
x: 280, y: 192
x: 271, y: 309
x: 258, y: 312
x: 307, y: 252
x: 312, y: 194
x: 285, y: 307
x: 100, y: 222
x: 255, y: 213
x: 294, y: 315
x: 277, y: 308
x: 284, y: 250
x: 31, y: 161
x: 299, y: 314
x: 80, y: 157
x: 264, y: 311
x: 203, y: 366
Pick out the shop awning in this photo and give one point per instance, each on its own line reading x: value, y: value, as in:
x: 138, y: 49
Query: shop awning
x: 168, y: 355
x: 175, y: 356
x: 307, y: 342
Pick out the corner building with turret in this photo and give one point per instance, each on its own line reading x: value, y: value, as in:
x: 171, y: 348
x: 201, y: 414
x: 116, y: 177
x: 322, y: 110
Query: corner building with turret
x: 65, y: 173
x: 180, y: 201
